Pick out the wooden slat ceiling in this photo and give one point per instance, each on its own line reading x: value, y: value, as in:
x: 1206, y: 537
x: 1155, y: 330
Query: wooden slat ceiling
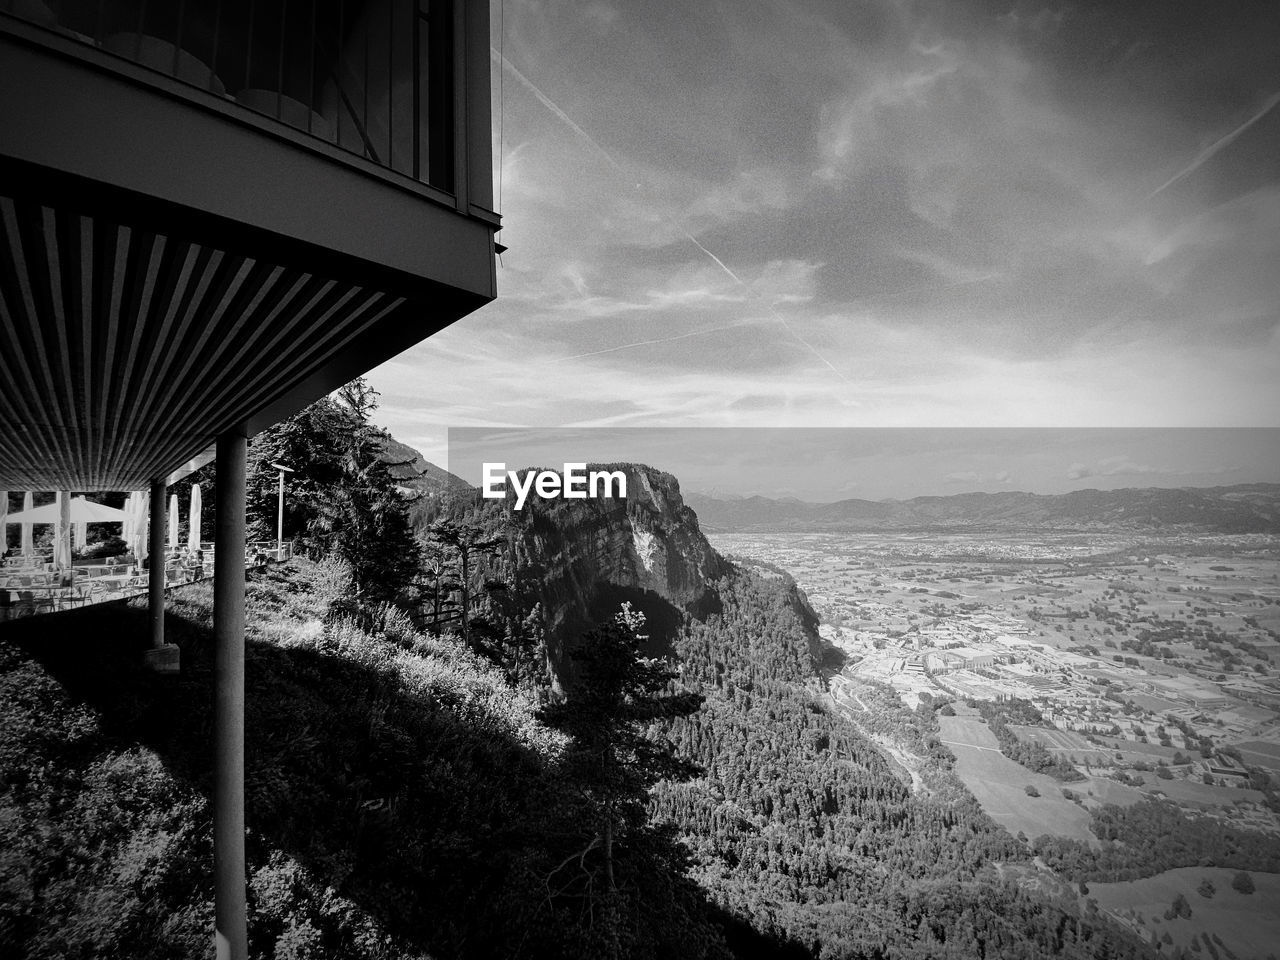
x: 124, y: 352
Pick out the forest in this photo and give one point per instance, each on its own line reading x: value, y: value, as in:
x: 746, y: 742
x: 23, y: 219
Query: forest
x: 799, y: 826
x: 1152, y: 836
x: 1031, y: 755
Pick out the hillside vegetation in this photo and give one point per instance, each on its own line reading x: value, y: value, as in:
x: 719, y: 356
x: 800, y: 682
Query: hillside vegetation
x: 403, y: 800
x: 801, y: 827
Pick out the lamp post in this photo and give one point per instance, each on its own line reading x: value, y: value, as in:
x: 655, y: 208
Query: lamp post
x: 280, y: 511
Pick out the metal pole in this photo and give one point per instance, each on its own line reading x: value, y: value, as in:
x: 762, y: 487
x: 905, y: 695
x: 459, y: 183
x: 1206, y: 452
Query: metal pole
x: 280, y: 521
x: 230, y: 934
x: 155, y: 575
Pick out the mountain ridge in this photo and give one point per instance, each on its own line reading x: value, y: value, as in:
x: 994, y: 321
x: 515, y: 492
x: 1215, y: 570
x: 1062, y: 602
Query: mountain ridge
x: 1242, y: 508
x: 415, y: 474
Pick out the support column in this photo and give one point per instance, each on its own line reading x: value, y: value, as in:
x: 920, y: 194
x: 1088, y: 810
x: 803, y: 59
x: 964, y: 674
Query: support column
x: 155, y: 555
x: 161, y: 657
x: 228, y: 703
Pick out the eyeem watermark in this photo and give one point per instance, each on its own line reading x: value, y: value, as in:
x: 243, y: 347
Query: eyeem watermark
x: 575, y: 484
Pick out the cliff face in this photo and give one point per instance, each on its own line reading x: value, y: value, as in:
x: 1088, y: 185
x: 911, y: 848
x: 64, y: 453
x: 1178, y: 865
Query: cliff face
x: 581, y: 559
x: 588, y: 556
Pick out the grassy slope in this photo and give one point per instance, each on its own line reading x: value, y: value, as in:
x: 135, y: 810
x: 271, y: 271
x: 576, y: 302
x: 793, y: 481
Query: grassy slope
x: 1000, y: 784
x: 1248, y: 924
x: 401, y: 802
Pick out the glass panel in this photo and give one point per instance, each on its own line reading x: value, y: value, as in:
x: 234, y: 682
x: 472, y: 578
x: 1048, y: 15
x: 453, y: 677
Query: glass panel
x: 370, y: 76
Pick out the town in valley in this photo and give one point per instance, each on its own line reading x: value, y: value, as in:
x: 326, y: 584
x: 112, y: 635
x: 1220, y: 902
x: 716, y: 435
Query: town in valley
x: 1138, y: 665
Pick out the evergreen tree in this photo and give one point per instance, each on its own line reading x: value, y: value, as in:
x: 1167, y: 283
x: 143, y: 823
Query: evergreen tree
x: 616, y: 695
x: 310, y: 443
x: 361, y: 516
x: 467, y: 542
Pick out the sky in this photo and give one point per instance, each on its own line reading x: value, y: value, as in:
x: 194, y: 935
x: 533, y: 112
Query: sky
x: 824, y: 464
x: 768, y: 214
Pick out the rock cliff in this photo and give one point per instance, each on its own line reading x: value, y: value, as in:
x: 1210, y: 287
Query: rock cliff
x: 588, y: 556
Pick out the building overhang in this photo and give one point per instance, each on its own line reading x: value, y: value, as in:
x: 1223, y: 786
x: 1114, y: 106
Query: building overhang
x: 174, y: 267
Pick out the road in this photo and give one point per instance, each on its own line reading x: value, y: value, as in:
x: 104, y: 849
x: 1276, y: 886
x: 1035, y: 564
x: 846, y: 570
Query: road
x: 908, y: 761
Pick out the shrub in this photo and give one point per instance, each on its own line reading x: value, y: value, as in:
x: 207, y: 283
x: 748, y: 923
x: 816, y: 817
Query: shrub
x: 111, y: 547
x: 1242, y: 882
x: 1179, y: 908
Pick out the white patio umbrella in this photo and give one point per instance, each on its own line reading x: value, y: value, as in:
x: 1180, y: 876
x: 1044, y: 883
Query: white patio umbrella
x: 193, y: 520
x: 62, y: 531
x: 64, y: 513
x: 129, y: 527
x: 81, y: 511
x: 28, y: 534
x: 79, y: 535
x: 141, y: 501
x: 173, y: 524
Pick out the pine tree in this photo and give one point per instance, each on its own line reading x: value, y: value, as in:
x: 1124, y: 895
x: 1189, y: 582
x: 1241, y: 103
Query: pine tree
x: 361, y: 516
x: 310, y: 444
x: 616, y: 694
x: 467, y: 542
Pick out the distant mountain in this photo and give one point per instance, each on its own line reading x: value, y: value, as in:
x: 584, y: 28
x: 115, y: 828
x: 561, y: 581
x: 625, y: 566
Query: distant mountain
x: 1246, y: 508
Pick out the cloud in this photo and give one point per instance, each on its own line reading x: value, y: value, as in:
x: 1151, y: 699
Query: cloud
x: 947, y: 208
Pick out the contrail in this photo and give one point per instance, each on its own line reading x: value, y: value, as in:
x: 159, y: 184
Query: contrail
x: 550, y: 105
x: 719, y: 263
x: 1217, y: 145
x: 608, y: 158
x: 776, y: 315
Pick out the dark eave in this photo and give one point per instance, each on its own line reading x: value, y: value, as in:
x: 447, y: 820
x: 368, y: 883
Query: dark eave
x: 124, y: 351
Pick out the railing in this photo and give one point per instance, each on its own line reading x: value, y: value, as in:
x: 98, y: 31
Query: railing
x: 374, y: 77
x: 30, y: 590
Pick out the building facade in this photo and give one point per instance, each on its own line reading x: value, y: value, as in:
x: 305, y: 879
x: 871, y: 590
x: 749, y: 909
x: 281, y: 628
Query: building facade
x: 211, y: 214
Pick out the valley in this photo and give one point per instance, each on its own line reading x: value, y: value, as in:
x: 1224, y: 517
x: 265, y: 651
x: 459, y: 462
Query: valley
x: 1119, y: 668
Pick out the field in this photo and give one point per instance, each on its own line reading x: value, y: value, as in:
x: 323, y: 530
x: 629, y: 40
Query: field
x: 1261, y: 752
x: 1104, y: 790
x: 1201, y: 794
x: 1248, y: 924
x: 1000, y: 784
x: 1062, y: 743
